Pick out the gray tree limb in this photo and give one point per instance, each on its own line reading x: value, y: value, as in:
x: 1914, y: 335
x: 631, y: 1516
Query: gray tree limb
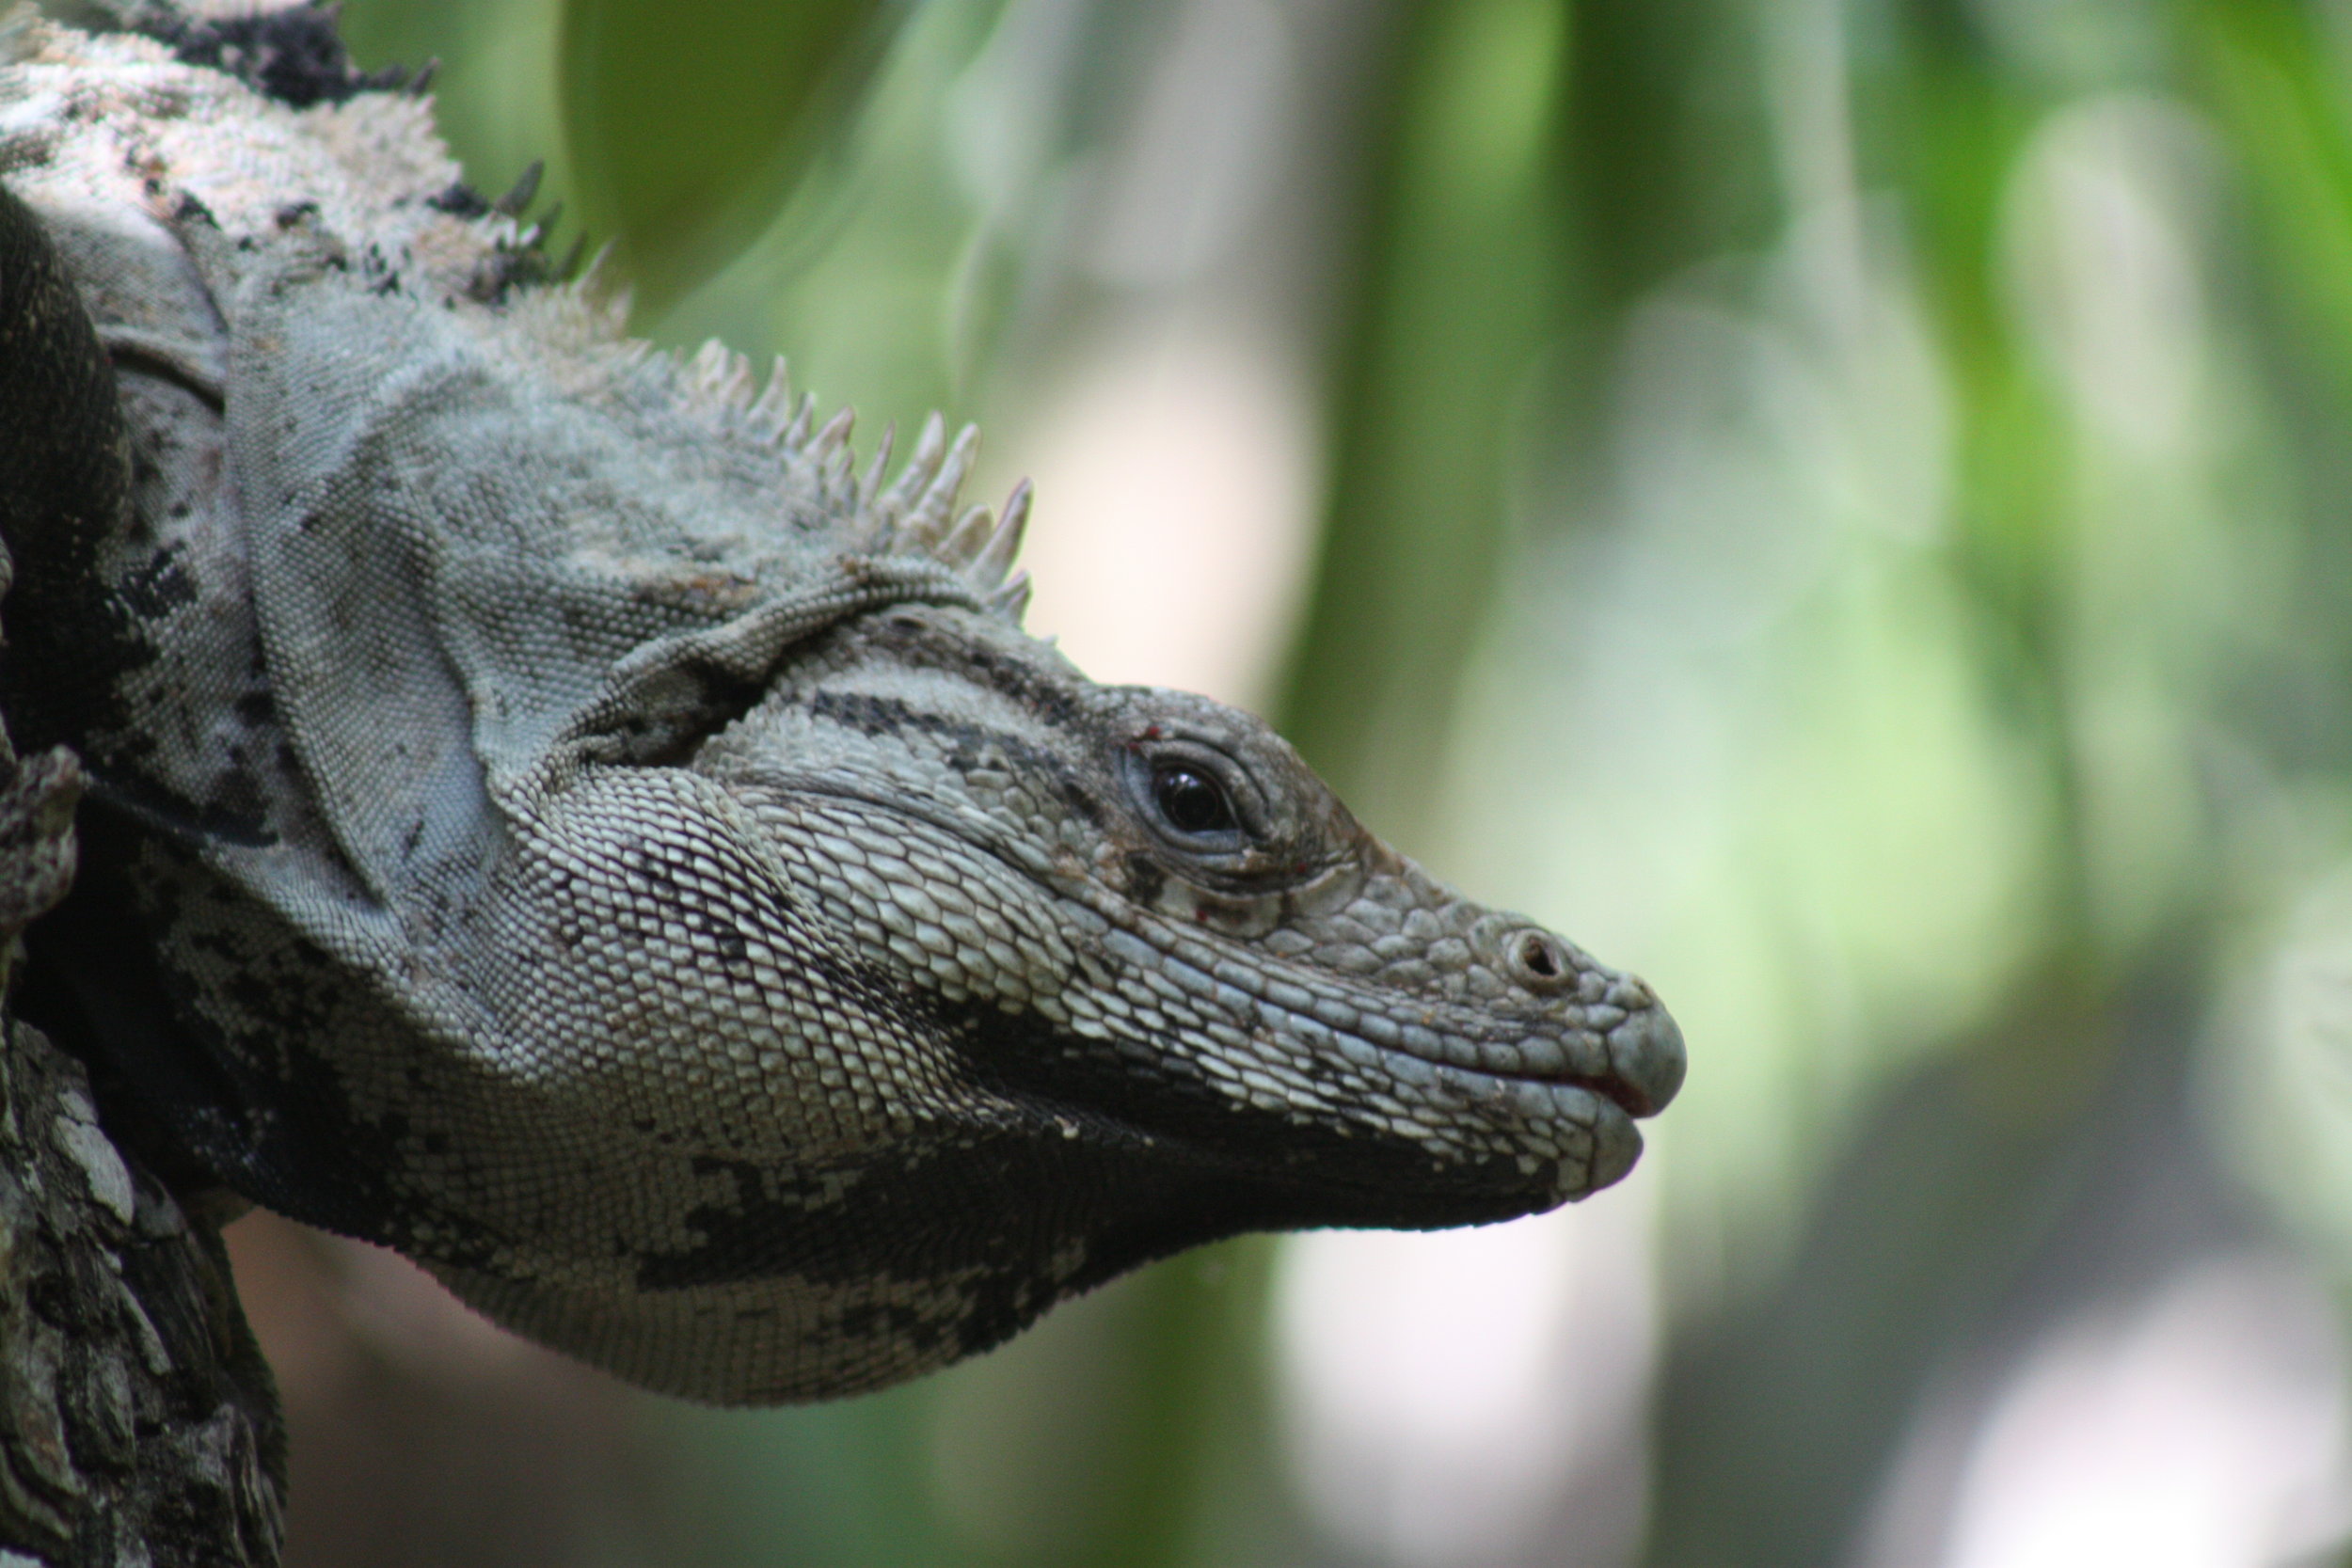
x: 139, y: 1422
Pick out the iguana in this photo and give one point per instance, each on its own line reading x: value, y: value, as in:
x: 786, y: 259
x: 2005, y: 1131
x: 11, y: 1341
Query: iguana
x: 552, y: 812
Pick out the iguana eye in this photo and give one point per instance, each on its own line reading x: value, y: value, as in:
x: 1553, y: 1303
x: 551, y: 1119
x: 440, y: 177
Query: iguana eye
x: 1191, y: 802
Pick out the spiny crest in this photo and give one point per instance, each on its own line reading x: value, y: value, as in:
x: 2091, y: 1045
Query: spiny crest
x: 915, y: 515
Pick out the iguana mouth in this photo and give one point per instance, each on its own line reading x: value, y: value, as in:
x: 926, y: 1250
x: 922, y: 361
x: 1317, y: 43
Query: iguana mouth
x: 1641, y: 1090
x: 1642, y: 1072
x: 1647, y: 1061
x: 1626, y: 1096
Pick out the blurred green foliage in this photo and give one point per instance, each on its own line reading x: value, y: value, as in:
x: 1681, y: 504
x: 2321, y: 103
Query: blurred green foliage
x: 1845, y: 506
x: 1460, y: 305
x: 679, y: 189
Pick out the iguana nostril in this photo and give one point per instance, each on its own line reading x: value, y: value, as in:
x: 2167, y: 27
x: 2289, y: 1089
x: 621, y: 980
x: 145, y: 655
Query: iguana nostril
x: 1540, y: 958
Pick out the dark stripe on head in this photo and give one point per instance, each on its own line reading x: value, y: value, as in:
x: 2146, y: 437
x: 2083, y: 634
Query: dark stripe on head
x: 927, y: 646
x: 881, y: 717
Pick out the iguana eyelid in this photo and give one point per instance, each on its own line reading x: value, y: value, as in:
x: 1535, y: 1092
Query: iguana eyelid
x: 1143, y: 763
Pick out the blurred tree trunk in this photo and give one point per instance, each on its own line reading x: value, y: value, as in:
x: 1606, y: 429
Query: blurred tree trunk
x: 139, y: 1422
x: 1445, y: 335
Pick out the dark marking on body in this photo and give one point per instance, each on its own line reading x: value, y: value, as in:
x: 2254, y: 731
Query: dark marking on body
x: 292, y: 53
x: 1293, y: 1172
x: 697, y: 908
x: 238, y: 815
x: 1145, y: 879
x: 1078, y: 800
x: 1087, y: 1153
x: 160, y: 587
x: 974, y: 1282
x: 265, y: 1113
x: 459, y: 199
x: 870, y: 716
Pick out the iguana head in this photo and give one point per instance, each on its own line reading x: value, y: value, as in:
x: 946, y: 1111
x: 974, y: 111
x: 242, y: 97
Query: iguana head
x: 1139, y: 909
x: 946, y: 983
x: 998, y: 983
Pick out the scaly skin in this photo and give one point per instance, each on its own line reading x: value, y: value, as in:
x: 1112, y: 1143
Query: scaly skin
x: 548, y: 815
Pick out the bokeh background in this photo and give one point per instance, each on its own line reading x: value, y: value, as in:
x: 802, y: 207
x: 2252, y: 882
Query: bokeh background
x: 1843, y: 507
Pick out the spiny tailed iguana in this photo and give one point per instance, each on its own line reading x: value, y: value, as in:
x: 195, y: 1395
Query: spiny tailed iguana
x: 553, y: 813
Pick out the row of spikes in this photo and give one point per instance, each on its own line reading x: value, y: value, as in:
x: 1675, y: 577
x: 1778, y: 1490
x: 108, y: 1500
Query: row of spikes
x: 917, y: 515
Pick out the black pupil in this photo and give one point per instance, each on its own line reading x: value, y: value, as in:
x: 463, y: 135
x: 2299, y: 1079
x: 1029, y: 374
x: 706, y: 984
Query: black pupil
x: 1192, y: 803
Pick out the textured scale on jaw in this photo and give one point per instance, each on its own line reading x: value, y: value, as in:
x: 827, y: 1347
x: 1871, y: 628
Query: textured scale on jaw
x: 1228, y: 944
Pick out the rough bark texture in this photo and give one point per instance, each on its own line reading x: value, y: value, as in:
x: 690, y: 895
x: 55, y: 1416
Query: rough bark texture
x: 138, y: 1424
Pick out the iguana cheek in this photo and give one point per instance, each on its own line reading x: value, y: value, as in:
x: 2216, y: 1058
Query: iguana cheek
x: 1236, y: 917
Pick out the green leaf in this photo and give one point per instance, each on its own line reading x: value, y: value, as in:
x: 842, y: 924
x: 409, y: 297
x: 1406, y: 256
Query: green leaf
x: 688, y: 124
x: 2273, y: 86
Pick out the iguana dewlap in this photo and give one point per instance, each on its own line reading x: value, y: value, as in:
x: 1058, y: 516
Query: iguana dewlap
x: 551, y: 813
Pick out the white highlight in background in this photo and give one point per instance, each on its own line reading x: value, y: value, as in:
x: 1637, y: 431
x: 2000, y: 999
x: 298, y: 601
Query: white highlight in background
x: 2207, y: 1430
x: 1445, y: 1391
x: 1175, y: 481
x: 2203, y: 1425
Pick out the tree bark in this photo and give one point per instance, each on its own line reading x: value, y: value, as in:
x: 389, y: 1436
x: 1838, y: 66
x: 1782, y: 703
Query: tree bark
x: 139, y: 1423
